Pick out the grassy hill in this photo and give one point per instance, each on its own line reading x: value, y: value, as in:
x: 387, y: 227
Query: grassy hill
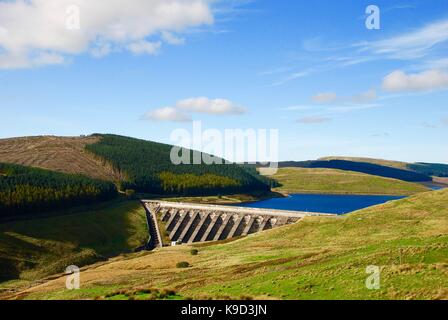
x: 303, y: 180
x: 430, y: 169
x: 316, y: 258
x: 362, y: 167
x: 32, y: 249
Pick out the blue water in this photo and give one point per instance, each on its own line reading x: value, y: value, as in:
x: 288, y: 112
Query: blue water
x: 323, y: 203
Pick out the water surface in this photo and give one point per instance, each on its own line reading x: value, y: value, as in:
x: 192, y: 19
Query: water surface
x: 323, y: 203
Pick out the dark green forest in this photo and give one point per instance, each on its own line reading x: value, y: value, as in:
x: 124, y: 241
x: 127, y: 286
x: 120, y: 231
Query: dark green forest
x: 25, y: 189
x: 148, y: 168
x: 430, y: 169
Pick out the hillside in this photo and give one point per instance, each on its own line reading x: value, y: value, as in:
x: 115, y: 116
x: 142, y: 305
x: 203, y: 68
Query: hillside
x: 148, y: 168
x: 381, y: 162
x: 316, y: 258
x: 136, y: 164
x: 362, y: 167
x: 26, y: 190
x: 62, y: 154
x: 430, y: 169
x: 332, y: 181
x: 32, y: 249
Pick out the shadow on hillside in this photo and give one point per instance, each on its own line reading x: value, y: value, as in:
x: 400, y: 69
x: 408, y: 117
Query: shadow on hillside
x: 41, y: 247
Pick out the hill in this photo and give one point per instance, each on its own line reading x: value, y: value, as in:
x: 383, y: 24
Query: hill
x: 362, y: 167
x: 33, y: 249
x: 316, y: 258
x: 61, y: 154
x: 332, y: 181
x: 147, y: 167
x: 132, y: 163
x: 32, y: 190
x: 381, y: 162
x: 429, y: 169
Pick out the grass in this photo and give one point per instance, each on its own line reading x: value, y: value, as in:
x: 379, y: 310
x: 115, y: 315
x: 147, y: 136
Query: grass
x: 33, y: 249
x: 331, y: 181
x: 316, y: 258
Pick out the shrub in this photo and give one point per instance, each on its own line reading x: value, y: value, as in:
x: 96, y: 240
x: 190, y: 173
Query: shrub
x: 182, y: 264
x: 130, y: 193
x: 194, y: 252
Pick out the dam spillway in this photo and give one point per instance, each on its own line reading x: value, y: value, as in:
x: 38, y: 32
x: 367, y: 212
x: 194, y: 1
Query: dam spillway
x: 189, y: 223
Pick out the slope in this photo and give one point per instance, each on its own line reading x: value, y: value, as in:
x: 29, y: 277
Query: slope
x: 35, y: 248
x: 332, y: 181
x: 316, y: 258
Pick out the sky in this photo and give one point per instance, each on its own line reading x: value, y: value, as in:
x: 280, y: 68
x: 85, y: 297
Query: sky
x: 314, y: 72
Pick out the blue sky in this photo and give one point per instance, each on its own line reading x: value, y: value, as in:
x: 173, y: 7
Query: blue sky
x: 315, y: 72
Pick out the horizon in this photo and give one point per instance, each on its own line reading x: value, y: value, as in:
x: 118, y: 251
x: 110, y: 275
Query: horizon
x: 318, y: 75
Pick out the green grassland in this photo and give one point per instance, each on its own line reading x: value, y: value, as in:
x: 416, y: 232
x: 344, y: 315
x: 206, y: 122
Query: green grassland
x: 332, y: 181
x: 316, y: 258
x: 32, y: 249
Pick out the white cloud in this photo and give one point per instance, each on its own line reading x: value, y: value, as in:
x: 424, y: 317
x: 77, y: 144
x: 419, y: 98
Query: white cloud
x: 210, y: 106
x: 144, y: 47
x: 171, y: 38
x: 35, y: 32
x: 428, y: 80
x: 326, y: 97
x: 313, y: 120
x: 167, y: 114
x: 182, y: 110
x: 411, y: 45
x: 330, y: 97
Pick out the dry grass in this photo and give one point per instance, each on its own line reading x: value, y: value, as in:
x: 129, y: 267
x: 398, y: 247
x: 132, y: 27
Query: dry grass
x: 63, y: 154
x: 317, y: 258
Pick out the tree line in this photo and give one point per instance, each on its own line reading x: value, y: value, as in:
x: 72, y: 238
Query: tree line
x: 29, y: 190
x: 148, y: 168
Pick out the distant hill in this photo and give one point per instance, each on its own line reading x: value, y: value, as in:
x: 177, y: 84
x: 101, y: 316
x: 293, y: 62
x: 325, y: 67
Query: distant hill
x: 332, y: 181
x: 363, y: 167
x: 430, y: 169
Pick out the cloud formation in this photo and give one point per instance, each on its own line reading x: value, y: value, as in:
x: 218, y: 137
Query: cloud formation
x: 167, y: 114
x: 398, y: 81
x: 43, y: 32
x: 330, y: 97
x: 325, y: 97
x: 313, y: 120
x: 210, y: 106
x: 410, y: 45
x: 182, y: 110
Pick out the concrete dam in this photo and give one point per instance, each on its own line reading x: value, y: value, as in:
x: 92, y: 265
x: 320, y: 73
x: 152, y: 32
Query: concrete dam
x: 188, y: 222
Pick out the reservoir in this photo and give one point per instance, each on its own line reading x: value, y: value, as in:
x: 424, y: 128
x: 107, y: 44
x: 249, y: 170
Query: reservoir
x: 324, y: 203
